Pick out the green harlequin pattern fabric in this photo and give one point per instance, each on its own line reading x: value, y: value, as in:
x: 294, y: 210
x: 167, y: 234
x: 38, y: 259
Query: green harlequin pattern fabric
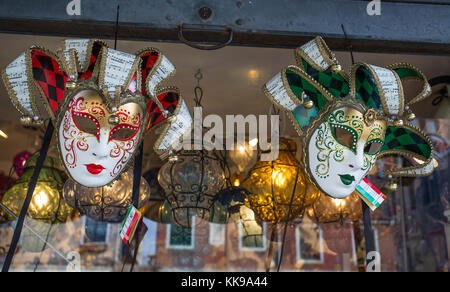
x: 334, y: 83
x: 366, y: 88
x: 405, y: 139
x: 304, y: 115
x: 298, y: 84
x: 407, y: 72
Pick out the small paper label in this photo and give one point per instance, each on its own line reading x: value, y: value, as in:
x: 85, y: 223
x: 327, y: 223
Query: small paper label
x: 370, y: 194
x: 130, y: 224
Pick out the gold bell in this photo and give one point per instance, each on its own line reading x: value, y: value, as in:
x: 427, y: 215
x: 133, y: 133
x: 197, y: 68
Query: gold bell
x: 113, y: 120
x: 26, y: 121
x: 398, y: 122
x: 173, y: 158
x: 71, y: 85
x: 308, y: 104
x: 411, y: 116
x: 336, y: 68
x: 392, y: 186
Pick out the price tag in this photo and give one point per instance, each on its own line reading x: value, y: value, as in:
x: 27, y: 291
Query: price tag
x: 130, y: 224
x: 370, y: 194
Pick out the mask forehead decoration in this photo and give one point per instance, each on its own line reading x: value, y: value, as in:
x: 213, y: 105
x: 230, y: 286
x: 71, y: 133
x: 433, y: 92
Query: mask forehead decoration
x: 101, y: 101
x: 347, y: 122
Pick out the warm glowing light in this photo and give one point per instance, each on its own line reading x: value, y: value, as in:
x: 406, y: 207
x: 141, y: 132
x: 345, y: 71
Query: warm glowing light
x: 237, y: 182
x: 241, y: 149
x: 253, y: 142
x: 41, y: 199
x: 277, y: 186
x: 253, y: 74
x: 339, y: 202
x: 3, y: 134
x: 279, y: 179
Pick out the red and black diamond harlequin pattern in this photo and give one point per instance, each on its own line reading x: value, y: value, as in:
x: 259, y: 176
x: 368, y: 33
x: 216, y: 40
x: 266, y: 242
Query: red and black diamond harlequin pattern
x: 148, y: 61
x: 96, y: 48
x: 47, y: 73
x: 169, y: 101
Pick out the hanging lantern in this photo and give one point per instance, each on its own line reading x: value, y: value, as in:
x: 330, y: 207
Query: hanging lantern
x: 109, y: 203
x: 47, y: 204
x: 47, y: 208
x: 191, y: 181
x: 19, y: 162
x: 328, y: 209
x: 271, y: 184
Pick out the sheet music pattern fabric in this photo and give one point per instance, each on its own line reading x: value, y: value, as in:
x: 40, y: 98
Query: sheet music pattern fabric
x: 179, y: 126
x: 164, y: 69
x: 390, y: 88
x: 118, y: 67
x: 17, y: 76
x: 278, y: 91
x: 80, y: 47
x: 312, y: 50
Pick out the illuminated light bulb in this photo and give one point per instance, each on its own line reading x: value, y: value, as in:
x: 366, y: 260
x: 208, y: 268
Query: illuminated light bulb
x: 253, y: 142
x: 3, y: 135
x: 339, y: 202
x: 40, y: 199
x: 237, y: 182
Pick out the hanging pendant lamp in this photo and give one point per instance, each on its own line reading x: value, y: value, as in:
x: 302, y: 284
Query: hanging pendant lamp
x: 191, y: 182
x: 47, y: 209
x: 273, y: 183
x: 327, y: 209
x: 109, y: 203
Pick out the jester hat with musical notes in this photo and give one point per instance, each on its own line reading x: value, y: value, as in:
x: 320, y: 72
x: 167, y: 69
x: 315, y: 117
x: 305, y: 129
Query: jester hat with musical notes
x: 101, y: 101
x: 347, y: 122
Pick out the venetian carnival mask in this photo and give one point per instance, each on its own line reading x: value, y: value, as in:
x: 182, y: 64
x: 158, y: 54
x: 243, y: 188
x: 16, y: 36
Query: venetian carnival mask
x: 346, y: 124
x: 101, y: 101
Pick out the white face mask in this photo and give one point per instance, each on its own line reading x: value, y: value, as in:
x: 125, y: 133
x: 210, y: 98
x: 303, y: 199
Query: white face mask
x: 96, y: 145
x: 343, y: 149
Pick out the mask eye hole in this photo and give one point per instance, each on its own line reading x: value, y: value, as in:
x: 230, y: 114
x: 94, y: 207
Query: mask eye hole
x: 86, y: 123
x: 344, y: 136
x: 373, y: 147
x: 123, y: 132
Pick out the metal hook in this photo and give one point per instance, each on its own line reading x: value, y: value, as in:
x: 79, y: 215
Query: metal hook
x: 203, y: 47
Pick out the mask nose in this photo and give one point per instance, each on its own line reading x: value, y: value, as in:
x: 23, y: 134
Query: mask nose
x: 100, y: 150
x: 356, y: 161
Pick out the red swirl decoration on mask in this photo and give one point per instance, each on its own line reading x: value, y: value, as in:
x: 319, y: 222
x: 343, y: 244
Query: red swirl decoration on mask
x: 124, y: 150
x: 73, y: 137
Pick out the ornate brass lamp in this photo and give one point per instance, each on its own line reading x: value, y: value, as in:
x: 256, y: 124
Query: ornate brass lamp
x: 327, y: 209
x: 109, y: 203
x: 272, y: 183
x: 47, y: 208
x: 191, y: 179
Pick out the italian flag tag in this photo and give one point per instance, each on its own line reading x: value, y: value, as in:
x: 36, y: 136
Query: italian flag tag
x: 130, y: 224
x: 370, y: 194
